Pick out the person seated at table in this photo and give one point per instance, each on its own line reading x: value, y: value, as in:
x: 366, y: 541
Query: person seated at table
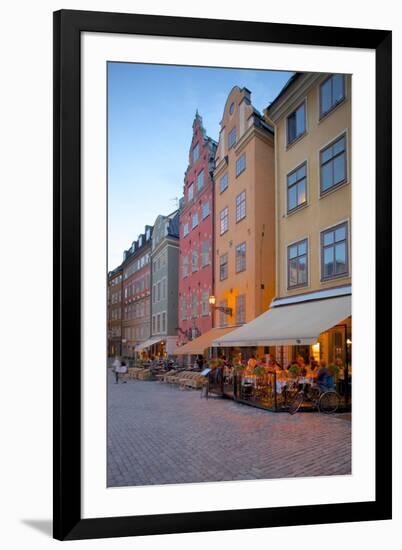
x: 324, y: 380
x: 251, y: 364
x: 312, y: 369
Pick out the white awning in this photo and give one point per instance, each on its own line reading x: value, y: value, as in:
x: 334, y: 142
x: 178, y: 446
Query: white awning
x: 200, y: 344
x: 148, y: 343
x: 290, y: 325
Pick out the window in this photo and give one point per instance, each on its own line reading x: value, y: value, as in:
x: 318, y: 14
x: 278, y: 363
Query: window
x: 153, y: 294
x: 194, y: 222
x: 153, y: 324
x: 297, y: 184
x: 204, y: 253
x: 240, y: 309
x: 184, y: 308
x: 184, y: 266
x: 205, y: 210
x: 164, y: 321
x: 224, y: 182
x: 232, y: 137
x: 240, y: 257
x: 196, y: 153
x: 223, y: 317
x: 224, y: 218
x: 191, y: 191
x: 296, y: 124
x: 185, y: 230
x: 193, y: 305
x: 194, y: 260
x: 164, y: 288
x: 223, y: 267
x: 231, y: 108
x: 158, y: 292
x: 333, y: 165
x: 200, y: 180
x: 240, y: 164
x: 334, y: 252
x: 241, y: 206
x: 297, y: 264
x: 158, y: 322
x: 205, y: 303
x: 332, y: 92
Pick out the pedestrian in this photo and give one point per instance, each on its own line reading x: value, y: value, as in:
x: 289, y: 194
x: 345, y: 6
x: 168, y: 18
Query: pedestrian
x: 123, y: 370
x: 116, y: 369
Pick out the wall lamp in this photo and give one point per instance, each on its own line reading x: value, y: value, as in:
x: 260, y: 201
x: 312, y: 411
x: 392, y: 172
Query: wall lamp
x: 225, y: 310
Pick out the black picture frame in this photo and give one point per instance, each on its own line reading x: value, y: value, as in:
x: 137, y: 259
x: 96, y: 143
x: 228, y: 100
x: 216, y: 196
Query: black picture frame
x: 68, y: 26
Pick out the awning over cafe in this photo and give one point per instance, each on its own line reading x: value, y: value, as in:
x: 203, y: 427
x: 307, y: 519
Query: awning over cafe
x: 293, y: 324
x: 198, y: 345
x: 148, y: 343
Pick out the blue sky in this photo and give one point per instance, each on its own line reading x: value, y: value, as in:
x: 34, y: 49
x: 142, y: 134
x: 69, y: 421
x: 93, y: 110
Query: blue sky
x: 150, y: 114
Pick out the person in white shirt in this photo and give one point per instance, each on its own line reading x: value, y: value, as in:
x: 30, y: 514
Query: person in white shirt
x: 116, y: 368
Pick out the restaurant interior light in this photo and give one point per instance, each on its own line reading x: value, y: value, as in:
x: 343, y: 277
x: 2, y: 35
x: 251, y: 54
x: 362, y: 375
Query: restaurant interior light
x: 212, y: 300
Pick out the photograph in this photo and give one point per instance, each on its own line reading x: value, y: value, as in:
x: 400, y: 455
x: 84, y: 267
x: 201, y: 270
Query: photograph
x: 229, y: 274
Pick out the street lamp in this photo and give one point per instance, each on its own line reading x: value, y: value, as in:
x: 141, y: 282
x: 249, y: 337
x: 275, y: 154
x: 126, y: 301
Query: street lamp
x: 224, y: 309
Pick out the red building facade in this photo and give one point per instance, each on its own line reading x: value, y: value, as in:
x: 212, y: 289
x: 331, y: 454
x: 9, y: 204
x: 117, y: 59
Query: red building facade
x: 137, y: 293
x: 196, y: 269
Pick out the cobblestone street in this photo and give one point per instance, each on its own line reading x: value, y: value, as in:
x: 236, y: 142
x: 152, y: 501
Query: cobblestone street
x: 158, y: 434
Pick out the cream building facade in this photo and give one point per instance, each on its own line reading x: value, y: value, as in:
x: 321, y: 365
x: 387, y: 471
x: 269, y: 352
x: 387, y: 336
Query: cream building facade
x: 312, y: 120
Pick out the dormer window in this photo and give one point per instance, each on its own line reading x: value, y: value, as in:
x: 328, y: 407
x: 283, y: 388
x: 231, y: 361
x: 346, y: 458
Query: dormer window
x: 231, y: 109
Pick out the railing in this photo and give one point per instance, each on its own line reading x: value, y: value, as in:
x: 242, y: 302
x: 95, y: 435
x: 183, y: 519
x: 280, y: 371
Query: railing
x: 271, y: 390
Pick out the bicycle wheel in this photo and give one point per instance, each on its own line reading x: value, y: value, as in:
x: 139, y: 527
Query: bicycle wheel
x: 296, y: 403
x: 328, y: 402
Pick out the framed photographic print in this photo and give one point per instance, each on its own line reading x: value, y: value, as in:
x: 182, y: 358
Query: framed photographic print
x: 216, y: 184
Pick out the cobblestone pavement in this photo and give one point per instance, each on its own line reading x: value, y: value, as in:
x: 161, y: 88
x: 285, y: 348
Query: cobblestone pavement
x: 158, y: 434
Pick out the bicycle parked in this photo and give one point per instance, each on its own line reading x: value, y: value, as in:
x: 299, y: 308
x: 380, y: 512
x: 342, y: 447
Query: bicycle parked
x: 325, y: 400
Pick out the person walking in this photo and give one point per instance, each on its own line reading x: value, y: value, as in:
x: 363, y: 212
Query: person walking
x: 116, y: 369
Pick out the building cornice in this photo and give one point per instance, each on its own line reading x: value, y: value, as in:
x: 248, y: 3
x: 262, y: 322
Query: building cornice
x: 296, y: 92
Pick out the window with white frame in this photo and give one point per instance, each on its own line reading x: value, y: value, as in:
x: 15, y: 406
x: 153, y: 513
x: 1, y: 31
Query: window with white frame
x: 232, y: 137
x: 333, y: 165
x: 200, y: 180
x: 194, y: 220
x: 191, y: 191
x: 205, y: 303
x: 223, y: 267
x: 196, y: 152
x: 240, y: 164
x: 158, y: 292
x: 158, y: 322
x: 334, y: 252
x: 332, y: 92
x: 205, y: 253
x: 296, y: 124
x: 223, y: 317
x: 240, y: 257
x: 184, y: 308
x: 240, y: 309
x: 164, y: 321
x: 205, y: 210
x: 194, y: 305
x: 185, y: 230
x: 298, y: 264
x: 223, y: 183
x: 224, y: 220
x: 240, y: 206
x: 297, y: 187
x: 184, y: 265
x: 194, y: 260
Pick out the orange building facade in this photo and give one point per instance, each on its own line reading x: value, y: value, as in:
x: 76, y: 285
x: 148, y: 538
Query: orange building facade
x: 244, y: 213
